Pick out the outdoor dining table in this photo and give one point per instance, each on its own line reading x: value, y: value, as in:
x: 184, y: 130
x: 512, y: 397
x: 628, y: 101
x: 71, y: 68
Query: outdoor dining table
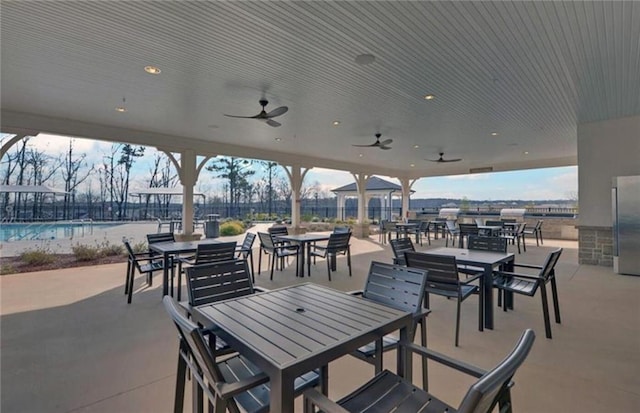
x: 305, y: 241
x: 169, y: 249
x: 487, y: 260
x: 405, y: 226
x: 292, y: 330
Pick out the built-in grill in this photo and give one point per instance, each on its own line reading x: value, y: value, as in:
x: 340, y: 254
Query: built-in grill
x: 450, y: 214
x: 513, y: 213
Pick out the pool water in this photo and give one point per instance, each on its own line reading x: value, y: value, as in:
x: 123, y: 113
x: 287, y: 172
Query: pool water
x: 48, y: 230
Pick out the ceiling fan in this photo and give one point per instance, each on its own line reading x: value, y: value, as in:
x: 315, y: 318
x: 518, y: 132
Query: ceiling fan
x: 378, y: 144
x: 442, y: 160
x: 264, y: 116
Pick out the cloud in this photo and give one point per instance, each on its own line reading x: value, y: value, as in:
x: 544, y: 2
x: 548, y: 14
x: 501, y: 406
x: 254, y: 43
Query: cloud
x: 474, y: 177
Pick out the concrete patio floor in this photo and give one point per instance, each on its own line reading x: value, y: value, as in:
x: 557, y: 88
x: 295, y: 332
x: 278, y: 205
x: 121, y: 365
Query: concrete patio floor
x: 70, y: 342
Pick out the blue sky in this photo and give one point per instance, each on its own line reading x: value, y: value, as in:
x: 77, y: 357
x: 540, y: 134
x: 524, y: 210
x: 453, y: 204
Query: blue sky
x: 532, y: 184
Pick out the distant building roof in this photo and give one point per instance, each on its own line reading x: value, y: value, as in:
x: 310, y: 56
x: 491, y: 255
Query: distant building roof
x: 373, y: 184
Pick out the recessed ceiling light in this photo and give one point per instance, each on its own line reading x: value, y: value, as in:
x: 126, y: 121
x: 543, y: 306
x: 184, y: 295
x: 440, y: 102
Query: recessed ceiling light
x: 412, y: 165
x: 365, y: 59
x: 360, y: 155
x: 121, y: 109
x: 335, y: 122
x: 526, y: 152
x: 416, y: 146
x: 278, y: 139
x: 494, y: 133
x: 153, y: 70
x: 429, y: 97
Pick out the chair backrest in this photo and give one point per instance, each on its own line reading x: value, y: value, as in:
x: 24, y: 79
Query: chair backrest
x: 389, y: 226
x: 443, y: 269
x: 338, y: 242
x: 214, y: 252
x: 399, y: 246
x: 160, y: 237
x: 212, y: 282
x: 538, y: 225
x: 266, y: 242
x: 469, y: 229
x: 278, y: 230
x: 247, y: 243
x: 490, y: 223
x: 548, y: 269
x: 508, y: 220
x: 478, y: 221
x: 396, y: 286
x: 341, y: 230
x: 193, y: 347
x: 497, y: 244
x: 451, y: 226
x: 484, y: 394
x: 521, y: 228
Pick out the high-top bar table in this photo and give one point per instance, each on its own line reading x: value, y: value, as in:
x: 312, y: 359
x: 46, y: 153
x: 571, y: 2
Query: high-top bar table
x: 293, y: 330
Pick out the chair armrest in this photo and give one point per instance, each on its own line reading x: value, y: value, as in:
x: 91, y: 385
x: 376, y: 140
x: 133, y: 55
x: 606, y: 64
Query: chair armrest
x: 444, y: 360
x: 227, y: 390
x: 514, y: 274
x: 355, y: 292
x: 323, y: 402
x: 537, y: 267
x: 472, y: 278
x: 261, y: 289
x: 423, y: 313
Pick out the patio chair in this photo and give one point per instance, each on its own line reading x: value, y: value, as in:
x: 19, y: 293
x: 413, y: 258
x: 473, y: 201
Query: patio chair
x: 277, y: 251
x: 466, y: 230
x: 416, y: 231
x: 145, y: 263
x: 535, y: 231
x: 516, y: 235
x: 399, y: 246
x: 341, y: 230
x: 452, y: 232
x: 338, y: 243
x: 483, y: 243
x: 235, y: 383
x: 386, y: 229
x: 401, y: 288
x: 206, y: 253
x: 528, y: 284
x: 246, y: 251
x: 443, y: 279
x: 387, y: 392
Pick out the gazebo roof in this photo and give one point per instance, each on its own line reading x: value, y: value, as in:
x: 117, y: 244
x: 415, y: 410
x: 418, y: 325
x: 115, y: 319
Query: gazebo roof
x: 373, y: 184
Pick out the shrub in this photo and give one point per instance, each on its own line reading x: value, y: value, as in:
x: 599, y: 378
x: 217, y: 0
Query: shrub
x: 106, y: 249
x: 86, y: 252
x: 231, y: 228
x: 37, y: 257
x: 7, y: 269
x: 139, y: 247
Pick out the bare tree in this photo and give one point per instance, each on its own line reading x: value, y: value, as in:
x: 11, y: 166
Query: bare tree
x: 72, y: 177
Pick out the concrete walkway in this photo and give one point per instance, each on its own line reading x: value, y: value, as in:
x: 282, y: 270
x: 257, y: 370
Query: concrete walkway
x: 70, y: 343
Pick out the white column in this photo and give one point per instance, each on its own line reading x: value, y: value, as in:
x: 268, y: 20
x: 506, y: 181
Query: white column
x: 361, y: 184
x: 296, y: 175
x: 188, y: 173
x: 340, y: 201
x: 406, y: 184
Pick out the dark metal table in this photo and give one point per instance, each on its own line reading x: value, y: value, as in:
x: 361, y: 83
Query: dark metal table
x: 305, y: 241
x: 293, y: 330
x: 167, y: 249
x: 490, y: 230
x: 486, y: 260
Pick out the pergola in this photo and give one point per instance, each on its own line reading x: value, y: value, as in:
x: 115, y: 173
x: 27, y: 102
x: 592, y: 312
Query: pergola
x: 27, y: 189
x: 375, y: 188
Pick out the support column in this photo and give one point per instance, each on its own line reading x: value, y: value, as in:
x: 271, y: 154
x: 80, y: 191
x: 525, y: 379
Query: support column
x: 340, y: 203
x: 296, y: 175
x: 361, y: 229
x: 406, y: 184
x: 188, y: 171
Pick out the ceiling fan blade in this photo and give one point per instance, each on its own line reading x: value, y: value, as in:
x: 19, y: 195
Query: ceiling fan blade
x: 366, y: 146
x: 450, y: 160
x: 386, y: 142
x: 241, y: 117
x: 384, y: 147
x: 273, y: 123
x: 277, y: 112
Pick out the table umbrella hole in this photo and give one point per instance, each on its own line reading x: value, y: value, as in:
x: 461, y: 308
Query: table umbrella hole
x: 300, y: 310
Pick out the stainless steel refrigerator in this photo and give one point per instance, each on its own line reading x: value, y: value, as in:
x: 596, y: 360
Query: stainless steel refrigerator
x: 625, y: 196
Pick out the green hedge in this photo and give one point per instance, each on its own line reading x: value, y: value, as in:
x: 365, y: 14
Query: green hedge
x: 231, y: 228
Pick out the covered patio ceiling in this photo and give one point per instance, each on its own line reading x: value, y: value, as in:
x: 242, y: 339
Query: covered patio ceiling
x: 511, y: 80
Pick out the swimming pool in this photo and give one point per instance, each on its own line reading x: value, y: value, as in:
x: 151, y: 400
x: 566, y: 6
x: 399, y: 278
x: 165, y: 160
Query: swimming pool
x: 49, y: 230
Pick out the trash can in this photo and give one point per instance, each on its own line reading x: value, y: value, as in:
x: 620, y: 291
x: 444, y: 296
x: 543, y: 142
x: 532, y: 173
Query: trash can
x: 212, y: 226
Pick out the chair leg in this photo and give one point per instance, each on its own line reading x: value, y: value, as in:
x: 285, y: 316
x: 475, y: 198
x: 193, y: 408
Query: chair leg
x: 273, y: 264
x: 259, y: 260
x: 179, y: 286
x: 425, y: 364
x: 349, y: 260
x: 126, y: 281
x: 130, y: 292
x: 545, y: 310
x: 554, y: 293
x: 458, y: 321
x: 328, y: 258
x: 541, y: 241
x: 180, y: 385
x: 253, y: 273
